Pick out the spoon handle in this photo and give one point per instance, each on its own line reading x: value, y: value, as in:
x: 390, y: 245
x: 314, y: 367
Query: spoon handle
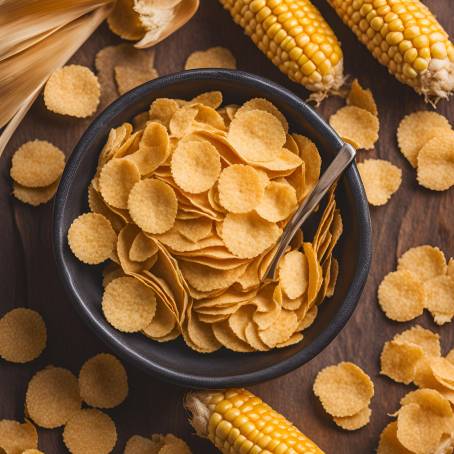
x: 343, y: 158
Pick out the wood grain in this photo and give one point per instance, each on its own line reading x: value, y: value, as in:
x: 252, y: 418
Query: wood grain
x: 413, y: 216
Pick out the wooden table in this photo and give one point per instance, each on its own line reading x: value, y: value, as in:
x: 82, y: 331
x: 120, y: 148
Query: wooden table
x: 414, y: 216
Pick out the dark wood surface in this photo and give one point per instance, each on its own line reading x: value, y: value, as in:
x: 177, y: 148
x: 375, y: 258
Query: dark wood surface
x: 413, y: 216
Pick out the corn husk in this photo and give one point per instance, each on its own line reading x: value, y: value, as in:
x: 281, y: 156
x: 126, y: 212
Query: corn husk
x: 161, y: 18
x: 25, y: 22
x: 22, y: 73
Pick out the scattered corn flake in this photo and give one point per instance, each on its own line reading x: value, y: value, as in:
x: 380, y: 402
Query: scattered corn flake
x: 23, y: 335
x: 278, y: 203
x: 429, y: 399
x: 209, y: 98
x: 381, y: 180
x: 424, y: 338
x: 343, y: 389
x: 116, y: 181
x: 399, y: 361
x: 253, y: 339
x: 267, y: 106
x: 174, y: 445
x: 401, y: 296
x: 439, y: 298
x: 436, y: 163
x: 355, y: 422
x: 72, y: 90
x: 126, y: 55
x: 199, y: 159
x: 17, y: 438
x: 425, y: 262
x: 52, y: 397
x: 34, y: 196
x: 91, y: 238
x: 162, y: 110
x: 293, y: 274
x: 256, y: 135
x: 128, y: 305
x: 129, y: 77
x: 103, y: 382
x: 389, y: 444
x: 443, y: 371
x: 280, y: 331
x: 225, y: 336
x: 248, y: 235
x: 419, y: 429
x: 37, y: 164
x: 308, y: 319
x: 141, y: 445
x: 416, y: 129
x: 153, y: 205
x: 361, y: 97
x: 356, y: 126
x: 90, y: 431
x: 241, y: 188
x: 125, y: 22
x: 214, y: 57
x: 163, y: 322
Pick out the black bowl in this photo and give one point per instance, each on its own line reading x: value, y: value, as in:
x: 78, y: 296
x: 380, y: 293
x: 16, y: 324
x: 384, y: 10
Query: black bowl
x: 173, y: 361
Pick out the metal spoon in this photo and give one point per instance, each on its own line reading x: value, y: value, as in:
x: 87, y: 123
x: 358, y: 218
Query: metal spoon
x: 343, y: 158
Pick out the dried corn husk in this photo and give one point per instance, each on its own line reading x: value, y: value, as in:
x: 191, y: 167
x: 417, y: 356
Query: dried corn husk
x: 26, y: 22
x: 23, y: 73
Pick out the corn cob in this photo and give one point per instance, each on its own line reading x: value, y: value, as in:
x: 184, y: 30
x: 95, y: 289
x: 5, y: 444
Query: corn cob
x: 238, y: 422
x: 404, y: 36
x: 295, y: 37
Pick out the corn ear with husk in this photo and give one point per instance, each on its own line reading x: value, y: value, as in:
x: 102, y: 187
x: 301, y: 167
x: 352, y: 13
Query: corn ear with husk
x: 406, y: 37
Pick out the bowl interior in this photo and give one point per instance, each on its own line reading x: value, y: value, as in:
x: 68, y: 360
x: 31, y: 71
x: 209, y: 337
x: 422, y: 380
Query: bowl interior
x: 173, y: 360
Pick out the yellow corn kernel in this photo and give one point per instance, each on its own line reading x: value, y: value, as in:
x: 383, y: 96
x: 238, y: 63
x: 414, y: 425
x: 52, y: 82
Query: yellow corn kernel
x: 286, y: 31
x: 270, y: 433
x: 405, y: 37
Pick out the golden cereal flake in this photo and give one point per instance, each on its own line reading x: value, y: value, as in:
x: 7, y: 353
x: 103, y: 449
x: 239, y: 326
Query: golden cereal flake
x: 17, y: 438
x: 214, y: 57
x: 439, y: 298
x: 436, y: 163
x: 23, y: 335
x: 362, y: 97
x: 72, y: 90
x: 37, y: 164
x: 103, y: 382
x: 248, y: 235
x: 153, y: 205
x: 381, y: 180
x: 343, y: 389
x: 195, y: 166
x: 355, y: 422
x: 278, y: 203
x: 129, y: 77
x: 416, y: 129
x: 241, y: 188
x: 356, y: 126
x: 425, y: 262
x: 401, y: 296
x: 52, y: 397
x: 34, y: 196
x: 256, y: 135
x: 90, y: 431
x: 128, y: 305
x: 293, y: 274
